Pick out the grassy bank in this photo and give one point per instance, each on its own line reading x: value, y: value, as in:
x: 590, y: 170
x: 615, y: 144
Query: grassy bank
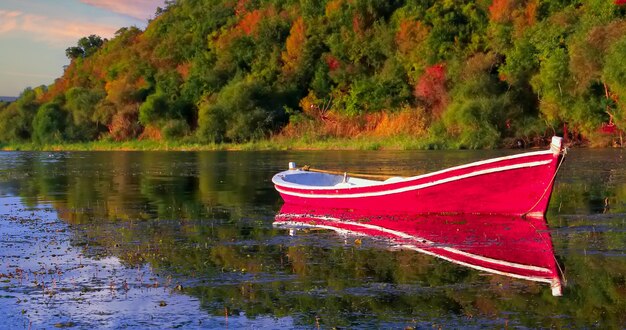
x: 359, y: 143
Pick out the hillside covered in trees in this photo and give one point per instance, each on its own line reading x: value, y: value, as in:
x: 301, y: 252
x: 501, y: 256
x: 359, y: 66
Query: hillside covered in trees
x: 468, y: 74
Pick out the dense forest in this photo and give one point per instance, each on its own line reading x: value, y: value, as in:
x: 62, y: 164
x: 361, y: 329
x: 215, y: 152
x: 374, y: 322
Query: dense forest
x: 462, y: 74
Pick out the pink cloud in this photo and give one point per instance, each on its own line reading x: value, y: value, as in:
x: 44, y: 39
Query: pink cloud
x: 8, y: 20
x: 55, y: 32
x: 140, y: 9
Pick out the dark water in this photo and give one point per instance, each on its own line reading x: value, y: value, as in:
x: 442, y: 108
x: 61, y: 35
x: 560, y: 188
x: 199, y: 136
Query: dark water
x: 177, y: 239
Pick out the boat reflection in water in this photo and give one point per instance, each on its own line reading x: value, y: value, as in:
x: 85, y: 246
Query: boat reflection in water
x: 504, y: 245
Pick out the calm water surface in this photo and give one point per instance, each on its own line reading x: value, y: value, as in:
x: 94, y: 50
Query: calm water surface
x: 185, y: 239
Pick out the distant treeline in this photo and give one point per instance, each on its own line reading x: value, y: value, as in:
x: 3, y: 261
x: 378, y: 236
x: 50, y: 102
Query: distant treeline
x: 470, y: 74
x: 7, y: 99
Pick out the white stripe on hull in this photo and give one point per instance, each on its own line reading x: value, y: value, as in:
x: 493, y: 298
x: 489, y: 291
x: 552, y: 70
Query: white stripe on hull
x: 409, y: 188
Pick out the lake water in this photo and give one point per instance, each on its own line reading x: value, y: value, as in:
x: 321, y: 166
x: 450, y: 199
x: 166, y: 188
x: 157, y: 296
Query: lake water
x: 186, y: 239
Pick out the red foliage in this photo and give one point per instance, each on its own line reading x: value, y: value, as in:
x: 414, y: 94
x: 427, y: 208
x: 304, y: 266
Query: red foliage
x: 332, y: 62
x: 620, y: 2
x: 431, y: 88
x: 609, y: 128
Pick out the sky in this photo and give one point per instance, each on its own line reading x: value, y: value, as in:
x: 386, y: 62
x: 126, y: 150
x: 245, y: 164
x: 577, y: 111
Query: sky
x: 35, y: 33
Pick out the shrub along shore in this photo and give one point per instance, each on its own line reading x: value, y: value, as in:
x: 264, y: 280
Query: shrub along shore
x: 276, y: 143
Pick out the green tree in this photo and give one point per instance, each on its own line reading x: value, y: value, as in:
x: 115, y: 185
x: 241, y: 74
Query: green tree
x: 614, y: 73
x: 81, y: 104
x: 154, y: 109
x: 49, y: 124
x: 86, y: 46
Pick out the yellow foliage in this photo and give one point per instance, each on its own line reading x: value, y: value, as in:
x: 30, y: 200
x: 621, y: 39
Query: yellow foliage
x: 333, y: 6
x: 410, y: 34
x: 293, y: 52
x: 408, y: 121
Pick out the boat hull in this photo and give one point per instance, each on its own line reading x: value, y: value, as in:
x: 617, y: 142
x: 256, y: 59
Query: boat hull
x: 516, y: 185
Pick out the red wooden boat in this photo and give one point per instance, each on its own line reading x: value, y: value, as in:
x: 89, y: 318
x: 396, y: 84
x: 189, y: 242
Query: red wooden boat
x: 505, y: 245
x: 516, y: 185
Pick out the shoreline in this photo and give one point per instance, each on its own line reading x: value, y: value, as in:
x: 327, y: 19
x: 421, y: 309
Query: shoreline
x: 264, y: 145
x: 271, y: 144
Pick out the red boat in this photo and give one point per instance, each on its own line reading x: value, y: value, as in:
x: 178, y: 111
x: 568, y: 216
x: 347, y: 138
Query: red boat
x: 499, y: 244
x: 515, y: 185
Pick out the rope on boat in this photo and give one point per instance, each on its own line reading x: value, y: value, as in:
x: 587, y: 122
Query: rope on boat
x: 308, y: 168
x: 549, y: 185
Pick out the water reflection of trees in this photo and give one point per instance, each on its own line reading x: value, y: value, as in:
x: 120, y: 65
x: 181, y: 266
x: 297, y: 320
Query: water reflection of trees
x: 206, y: 217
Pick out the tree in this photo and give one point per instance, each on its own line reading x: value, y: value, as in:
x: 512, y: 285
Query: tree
x: 49, y: 124
x: 155, y: 108
x: 615, y: 75
x: 86, y: 46
x: 81, y: 104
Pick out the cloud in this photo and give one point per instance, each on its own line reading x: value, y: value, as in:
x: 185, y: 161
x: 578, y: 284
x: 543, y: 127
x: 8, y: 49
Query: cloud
x: 53, y: 31
x: 139, y: 9
x: 8, y: 22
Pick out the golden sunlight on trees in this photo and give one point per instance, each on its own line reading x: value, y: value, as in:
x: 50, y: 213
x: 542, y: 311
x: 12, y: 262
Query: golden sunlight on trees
x: 235, y: 71
x: 294, y: 46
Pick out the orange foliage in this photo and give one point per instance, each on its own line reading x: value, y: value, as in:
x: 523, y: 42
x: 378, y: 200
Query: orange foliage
x: 121, y: 90
x: 293, y: 52
x: 500, y: 10
x: 124, y: 125
x: 531, y: 12
x: 522, y: 13
x: 151, y: 132
x: 409, y: 34
x: 407, y: 121
x: 333, y: 6
x: 380, y: 124
x: 222, y: 42
x: 59, y: 87
x: 249, y: 23
x: 183, y: 69
x: 140, y: 83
